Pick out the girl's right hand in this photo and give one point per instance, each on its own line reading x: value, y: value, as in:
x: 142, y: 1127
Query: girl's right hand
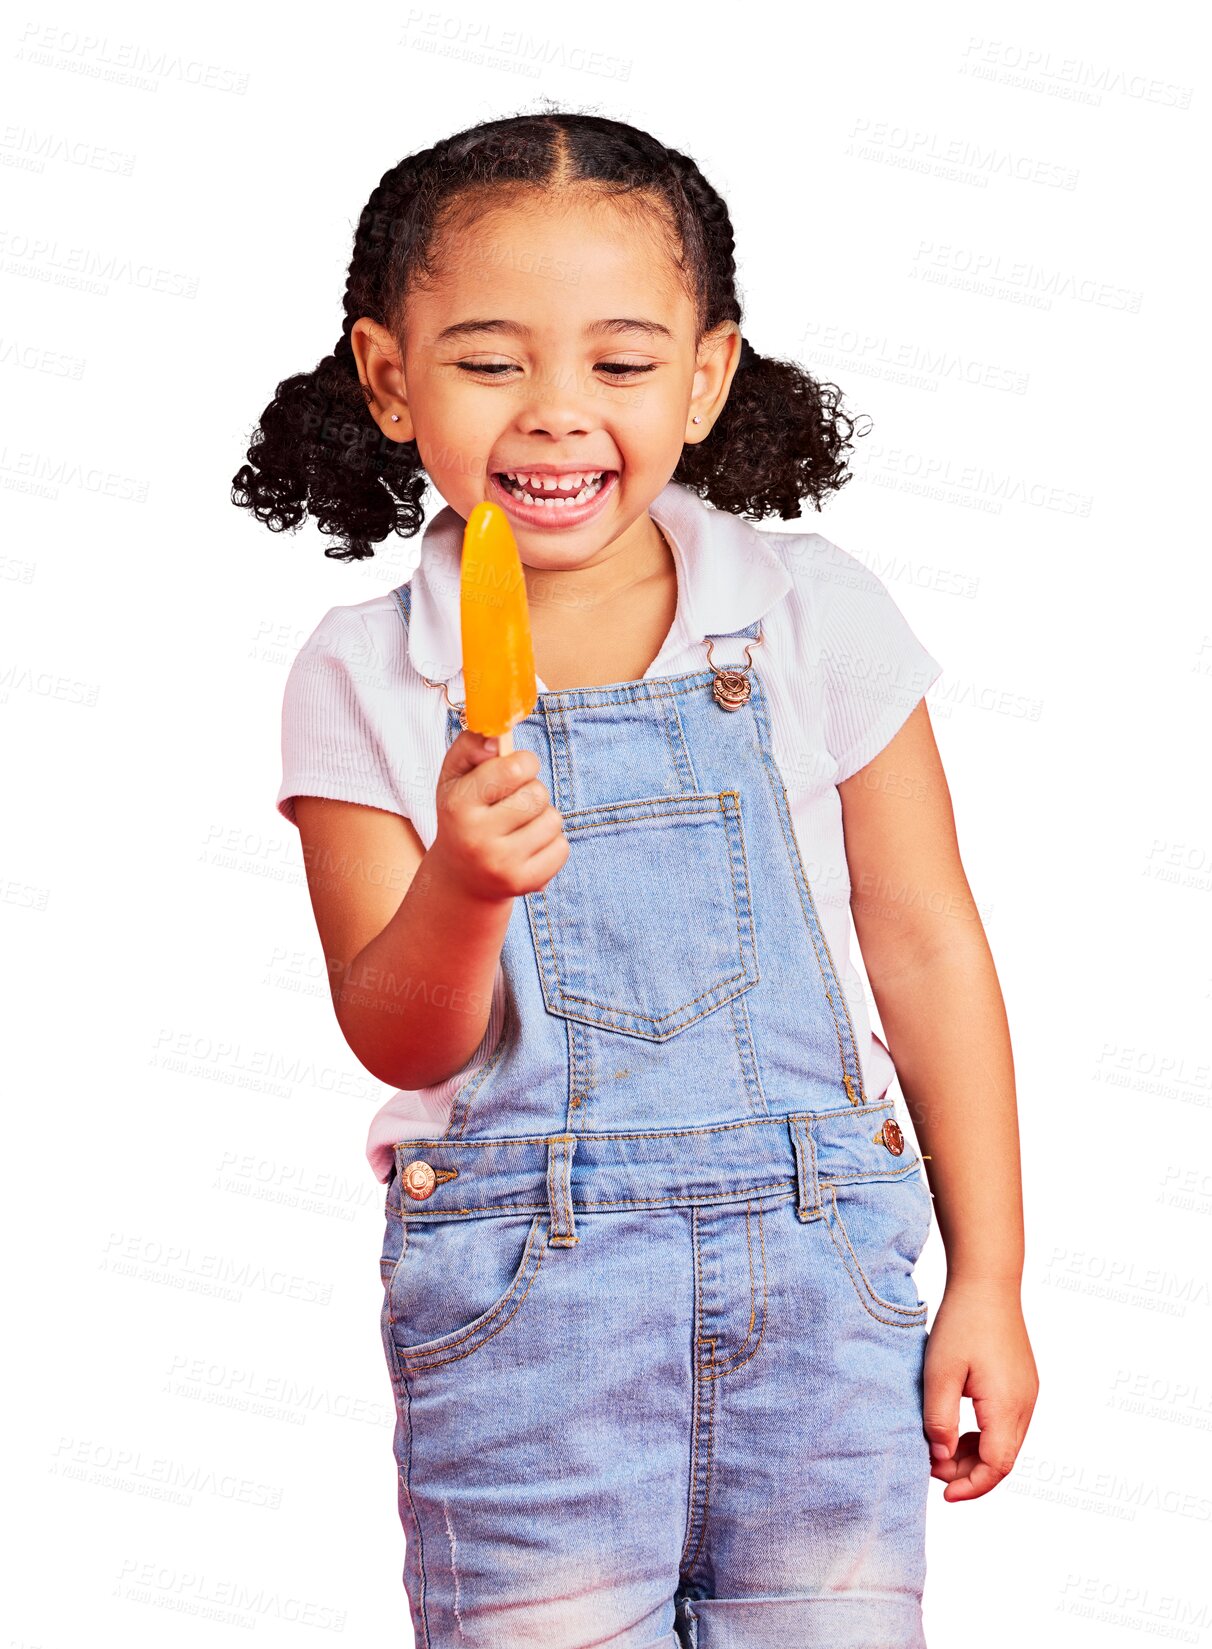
x: 498, y: 834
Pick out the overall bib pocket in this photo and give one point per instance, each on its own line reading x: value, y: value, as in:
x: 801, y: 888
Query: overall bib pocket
x: 450, y: 1285
x: 878, y: 1230
x: 648, y: 925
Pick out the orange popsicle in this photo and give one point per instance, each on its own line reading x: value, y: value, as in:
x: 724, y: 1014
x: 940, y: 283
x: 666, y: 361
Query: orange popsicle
x: 498, y: 659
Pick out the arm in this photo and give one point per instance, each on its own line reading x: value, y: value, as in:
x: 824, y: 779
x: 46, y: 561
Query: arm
x: 412, y: 938
x: 411, y: 959
x: 936, y: 988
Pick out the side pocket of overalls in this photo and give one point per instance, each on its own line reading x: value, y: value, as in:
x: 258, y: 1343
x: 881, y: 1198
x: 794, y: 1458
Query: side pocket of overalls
x: 452, y: 1285
x: 878, y: 1228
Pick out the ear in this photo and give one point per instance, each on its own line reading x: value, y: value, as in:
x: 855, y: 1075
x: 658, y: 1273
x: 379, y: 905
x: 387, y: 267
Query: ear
x: 381, y: 370
x: 719, y: 356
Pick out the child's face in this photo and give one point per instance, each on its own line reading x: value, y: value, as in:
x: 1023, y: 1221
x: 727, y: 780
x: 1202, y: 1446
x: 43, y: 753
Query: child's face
x: 540, y: 386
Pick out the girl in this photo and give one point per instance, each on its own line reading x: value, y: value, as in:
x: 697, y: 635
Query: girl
x: 661, y: 1370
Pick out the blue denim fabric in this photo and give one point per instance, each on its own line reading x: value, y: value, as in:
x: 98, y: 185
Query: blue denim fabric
x: 654, y: 1337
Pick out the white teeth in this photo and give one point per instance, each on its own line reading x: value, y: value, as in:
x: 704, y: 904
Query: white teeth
x: 553, y: 489
x: 572, y: 482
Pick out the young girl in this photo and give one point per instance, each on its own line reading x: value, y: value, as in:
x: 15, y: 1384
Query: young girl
x: 661, y: 1369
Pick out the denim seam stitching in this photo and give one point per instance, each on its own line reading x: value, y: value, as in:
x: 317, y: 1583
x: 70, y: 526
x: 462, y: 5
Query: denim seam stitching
x: 674, y: 762
x: 679, y: 806
x: 560, y: 745
x: 696, y: 1394
x: 736, y: 1195
x: 655, y: 1018
x: 906, y: 1316
x: 705, y: 1392
x: 471, y: 1087
x: 418, y: 1357
x: 395, y: 1270
x: 560, y: 1205
x: 811, y: 922
x: 846, y: 1112
x: 816, y: 1176
x: 626, y: 1013
x: 746, y: 1052
x: 880, y: 1177
x: 399, y: 1375
x: 815, y: 930
x: 737, y: 1360
x: 734, y: 826
x: 709, y: 1451
x: 680, y: 754
x: 416, y: 1519
x: 873, y: 1174
x: 591, y: 1060
x: 579, y: 1067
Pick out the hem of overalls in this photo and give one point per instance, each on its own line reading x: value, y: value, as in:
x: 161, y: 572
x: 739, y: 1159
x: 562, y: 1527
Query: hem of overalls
x: 851, y: 1620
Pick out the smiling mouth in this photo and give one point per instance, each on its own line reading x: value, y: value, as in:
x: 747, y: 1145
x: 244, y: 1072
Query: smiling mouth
x: 553, y: 491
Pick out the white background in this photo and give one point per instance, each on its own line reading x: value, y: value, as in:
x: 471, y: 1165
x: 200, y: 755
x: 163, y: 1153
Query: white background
x: 199, y: 1409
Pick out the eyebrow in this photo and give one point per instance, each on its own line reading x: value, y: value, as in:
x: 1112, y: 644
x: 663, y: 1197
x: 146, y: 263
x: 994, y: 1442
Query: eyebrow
x: 514, y: 329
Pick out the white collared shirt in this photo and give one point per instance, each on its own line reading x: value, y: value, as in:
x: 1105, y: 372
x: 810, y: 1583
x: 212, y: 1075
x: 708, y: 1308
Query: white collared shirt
x: 840, y: 666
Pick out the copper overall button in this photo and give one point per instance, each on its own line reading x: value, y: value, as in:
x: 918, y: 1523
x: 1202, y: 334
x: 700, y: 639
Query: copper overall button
x: 419, y: 1180
x: 891, y: 1136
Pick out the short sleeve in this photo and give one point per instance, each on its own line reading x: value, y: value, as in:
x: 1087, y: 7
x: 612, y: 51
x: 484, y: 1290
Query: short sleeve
x: 875, y: 668
x: 331, y: 741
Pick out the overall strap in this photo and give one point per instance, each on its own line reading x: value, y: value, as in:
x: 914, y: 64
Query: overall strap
x: 751, y: 630
x: 403, y: 595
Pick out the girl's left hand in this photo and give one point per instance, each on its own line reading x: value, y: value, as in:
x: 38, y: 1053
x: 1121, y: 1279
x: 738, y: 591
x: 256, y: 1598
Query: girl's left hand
x: 977, y: 1348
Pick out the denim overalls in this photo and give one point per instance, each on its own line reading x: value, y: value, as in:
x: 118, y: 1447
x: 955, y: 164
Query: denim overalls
x: 649, y: 1309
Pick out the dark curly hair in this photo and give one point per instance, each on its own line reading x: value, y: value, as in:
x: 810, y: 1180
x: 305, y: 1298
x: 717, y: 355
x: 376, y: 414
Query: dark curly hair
x: 780, y: 436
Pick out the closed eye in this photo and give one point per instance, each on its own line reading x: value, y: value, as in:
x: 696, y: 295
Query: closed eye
x: 497, y: 369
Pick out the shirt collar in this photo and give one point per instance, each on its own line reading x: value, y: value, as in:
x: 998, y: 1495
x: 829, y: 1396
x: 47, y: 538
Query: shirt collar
x: 728, y: 576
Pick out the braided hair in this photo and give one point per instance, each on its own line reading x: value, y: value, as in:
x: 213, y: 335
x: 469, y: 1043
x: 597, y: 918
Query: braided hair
x: 779, y: 438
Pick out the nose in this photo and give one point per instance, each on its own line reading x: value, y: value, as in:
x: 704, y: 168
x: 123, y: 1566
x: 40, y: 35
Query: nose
x: 557, y: 404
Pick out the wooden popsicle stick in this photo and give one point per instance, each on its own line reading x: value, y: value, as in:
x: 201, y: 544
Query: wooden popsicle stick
x: 505, y: 742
